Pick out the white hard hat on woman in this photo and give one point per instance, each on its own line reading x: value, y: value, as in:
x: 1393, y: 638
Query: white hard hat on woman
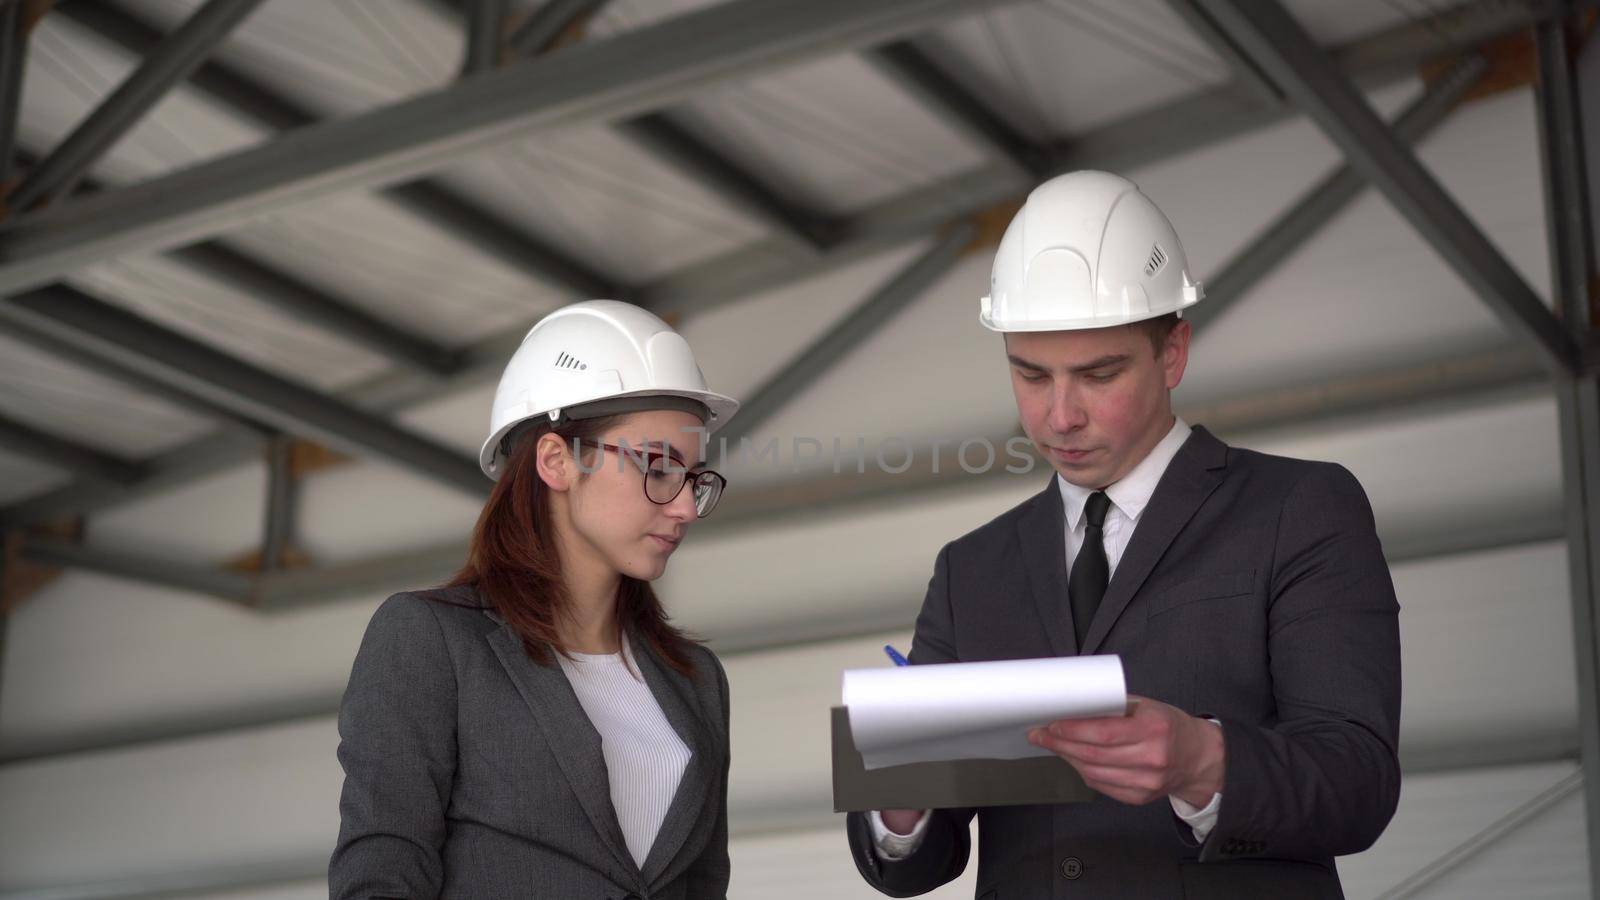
x: 597, y: 358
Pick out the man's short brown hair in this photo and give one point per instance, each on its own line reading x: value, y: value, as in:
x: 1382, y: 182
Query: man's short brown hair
x: 1158, y: 329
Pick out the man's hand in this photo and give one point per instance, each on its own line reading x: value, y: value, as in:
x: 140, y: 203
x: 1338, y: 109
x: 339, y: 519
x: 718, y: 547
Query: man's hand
x: 901, y: 821
x: 1153, y: 752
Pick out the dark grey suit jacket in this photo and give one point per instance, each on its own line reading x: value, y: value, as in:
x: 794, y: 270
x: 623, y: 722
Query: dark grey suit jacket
x: 471, y: 771
x: 1253, y: 590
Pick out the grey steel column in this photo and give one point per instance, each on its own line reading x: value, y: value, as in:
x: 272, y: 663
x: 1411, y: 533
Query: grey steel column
x: 5, y: 619
x: 547, y: 23
x: 1569, y: 220
x: 484, y: 21
x: 277, y: 532
x: 13, y: 61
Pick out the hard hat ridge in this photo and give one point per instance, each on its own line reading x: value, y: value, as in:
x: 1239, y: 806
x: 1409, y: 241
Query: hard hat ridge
x: 1087, y: 250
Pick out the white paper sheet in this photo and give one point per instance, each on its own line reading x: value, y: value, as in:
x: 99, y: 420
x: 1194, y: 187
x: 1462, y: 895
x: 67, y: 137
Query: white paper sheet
x: 978, y: 710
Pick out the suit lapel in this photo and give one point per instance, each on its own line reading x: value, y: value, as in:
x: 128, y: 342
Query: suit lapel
x: 572, y: 739
x: 1042, y: 537
x: 1190, y: 478
x: 676, y: 696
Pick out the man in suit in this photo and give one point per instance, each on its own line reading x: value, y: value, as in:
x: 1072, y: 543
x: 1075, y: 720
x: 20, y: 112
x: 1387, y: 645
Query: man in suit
x: 1246, y: 594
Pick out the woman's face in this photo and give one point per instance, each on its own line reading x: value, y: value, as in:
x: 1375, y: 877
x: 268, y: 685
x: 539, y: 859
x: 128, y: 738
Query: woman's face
x: 607, y: 505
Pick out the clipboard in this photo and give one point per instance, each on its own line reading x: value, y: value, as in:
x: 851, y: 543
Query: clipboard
x: 942, y: 785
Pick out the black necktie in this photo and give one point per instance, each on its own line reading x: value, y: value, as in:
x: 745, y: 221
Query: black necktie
x: 1090, y: 572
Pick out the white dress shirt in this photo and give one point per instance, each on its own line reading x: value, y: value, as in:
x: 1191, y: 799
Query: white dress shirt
x: 1129, y: 497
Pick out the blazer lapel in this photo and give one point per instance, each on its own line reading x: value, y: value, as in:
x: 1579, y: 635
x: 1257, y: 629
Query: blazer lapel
x: 572, y: 739
x: 1190, y: 478
x: 676, y: 695
x: 1042, y: 537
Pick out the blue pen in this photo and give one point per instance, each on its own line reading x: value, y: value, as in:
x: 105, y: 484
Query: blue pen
x: 895, y: 655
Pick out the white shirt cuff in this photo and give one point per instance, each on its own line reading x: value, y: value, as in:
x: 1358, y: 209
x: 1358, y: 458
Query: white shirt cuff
x: 892, y: 846
x: 1199, y: 819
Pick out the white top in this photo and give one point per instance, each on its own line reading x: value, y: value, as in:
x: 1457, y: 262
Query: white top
x: 645, y: 757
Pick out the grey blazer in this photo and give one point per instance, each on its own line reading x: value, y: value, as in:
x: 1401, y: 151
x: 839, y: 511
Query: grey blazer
x: 1253, y: 590
x: 471, y: 771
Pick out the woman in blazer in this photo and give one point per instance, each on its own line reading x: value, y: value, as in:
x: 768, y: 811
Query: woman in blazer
x: 538, y: 728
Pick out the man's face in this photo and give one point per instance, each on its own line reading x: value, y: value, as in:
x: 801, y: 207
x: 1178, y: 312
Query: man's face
x: 1095, y: 402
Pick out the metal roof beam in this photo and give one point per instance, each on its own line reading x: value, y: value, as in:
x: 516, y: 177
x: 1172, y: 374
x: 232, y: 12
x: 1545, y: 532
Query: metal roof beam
x: 235, y: 429
x: 907, y: 65
x: 547, y: 23
x: 221, y: 263
x: 1184, y: 125
x: 1294, y: 61
x: 849, y: 332
x: 1493, y: 376
x: 210, y: 581
x: 495, y: 235
x: 669, y: 141
x: 1286, y: 234
x: 1472, y: 849
x: 164, y: 67
x: 218, y: 262
x: 203, y: 371
x: 1250, y: 81
x: 58, y: 452
x: 168, y: 470
x: 1486, y: 377
x: 595, y: 82
x: 666, y: 138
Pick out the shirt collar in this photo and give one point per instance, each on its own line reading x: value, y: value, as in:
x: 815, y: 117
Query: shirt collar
x: 1132, y: 493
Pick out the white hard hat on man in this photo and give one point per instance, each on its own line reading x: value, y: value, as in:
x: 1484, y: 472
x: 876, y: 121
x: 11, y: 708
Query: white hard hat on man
x: 1087, y: 250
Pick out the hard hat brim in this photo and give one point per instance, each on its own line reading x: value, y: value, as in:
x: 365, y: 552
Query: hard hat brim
x: 721, y: 407
x: 1106, y: 321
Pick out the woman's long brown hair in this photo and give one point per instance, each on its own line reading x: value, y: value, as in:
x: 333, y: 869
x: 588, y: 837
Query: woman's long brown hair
x: 515, y: 564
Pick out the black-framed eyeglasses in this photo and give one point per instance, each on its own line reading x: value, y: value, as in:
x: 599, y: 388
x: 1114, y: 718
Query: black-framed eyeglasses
x: 664, y: 478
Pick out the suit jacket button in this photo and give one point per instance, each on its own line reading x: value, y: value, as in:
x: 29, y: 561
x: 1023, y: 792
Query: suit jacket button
x: 1072, y: 868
